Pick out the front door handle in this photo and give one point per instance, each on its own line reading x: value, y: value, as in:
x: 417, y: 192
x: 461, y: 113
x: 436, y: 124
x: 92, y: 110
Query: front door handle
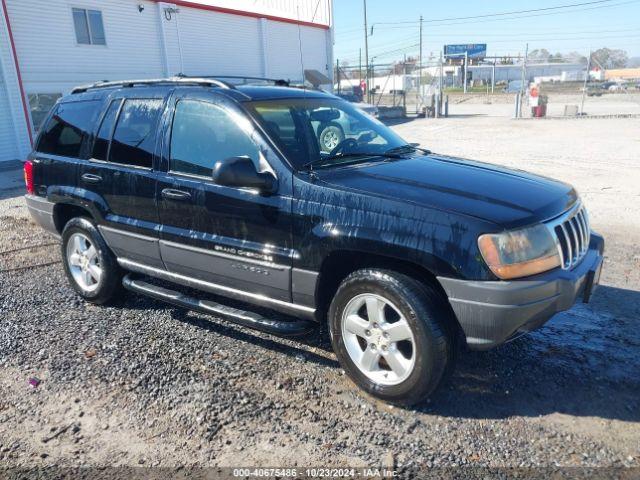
x: 91, y: 178
x: 172, y: 194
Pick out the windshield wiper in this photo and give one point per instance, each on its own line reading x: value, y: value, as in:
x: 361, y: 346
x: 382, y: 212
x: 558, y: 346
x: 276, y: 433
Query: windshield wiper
x: 407, y: 147
x: 322, y: 160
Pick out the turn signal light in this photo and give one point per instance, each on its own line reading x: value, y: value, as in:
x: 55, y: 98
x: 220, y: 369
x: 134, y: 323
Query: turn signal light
x: 28, y: 177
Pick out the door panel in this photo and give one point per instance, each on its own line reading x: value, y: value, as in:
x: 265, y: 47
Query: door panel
x: 234, y: 237
x: 133, y: 246
x: 240, y: 240
x: 121, y: 172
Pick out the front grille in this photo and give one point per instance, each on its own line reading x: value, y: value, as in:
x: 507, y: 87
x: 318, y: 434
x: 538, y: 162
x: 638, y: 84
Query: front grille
x: 572, y: 235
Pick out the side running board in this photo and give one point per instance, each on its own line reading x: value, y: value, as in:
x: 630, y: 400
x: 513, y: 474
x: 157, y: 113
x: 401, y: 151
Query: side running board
x: 235, y: 315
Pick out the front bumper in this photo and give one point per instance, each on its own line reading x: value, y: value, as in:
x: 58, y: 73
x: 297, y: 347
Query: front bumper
x: 492, y: 312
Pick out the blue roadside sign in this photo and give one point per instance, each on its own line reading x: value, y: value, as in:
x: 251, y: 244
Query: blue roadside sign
x: 473, y: 50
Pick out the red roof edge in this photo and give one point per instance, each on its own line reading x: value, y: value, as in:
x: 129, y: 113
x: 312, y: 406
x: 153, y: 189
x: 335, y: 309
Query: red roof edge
x: 232, y: 11
x: 23, y: 97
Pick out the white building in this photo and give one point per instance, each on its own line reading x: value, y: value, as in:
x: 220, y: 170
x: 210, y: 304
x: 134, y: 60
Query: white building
x: 49, y: 46
x: 557, y: 72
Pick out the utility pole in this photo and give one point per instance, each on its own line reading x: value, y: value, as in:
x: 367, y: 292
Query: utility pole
x: 366, y: 48
x: 438, y: 111
x: 464, y: 76
x: 584, y: 87
x: 338, y: 74
x: 493, y: 75
x: 523, y: 88
x: 404, y: 75
x: 360, y: 66
x: 419, y: 91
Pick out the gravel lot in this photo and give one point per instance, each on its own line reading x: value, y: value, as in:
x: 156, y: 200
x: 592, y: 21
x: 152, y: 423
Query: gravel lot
x: 143, y: 383
x: 503, y: 105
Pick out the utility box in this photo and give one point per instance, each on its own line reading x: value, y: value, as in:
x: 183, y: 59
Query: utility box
x: 571, y: 110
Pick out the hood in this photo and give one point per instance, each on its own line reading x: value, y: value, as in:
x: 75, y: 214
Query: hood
x: 508, y: 198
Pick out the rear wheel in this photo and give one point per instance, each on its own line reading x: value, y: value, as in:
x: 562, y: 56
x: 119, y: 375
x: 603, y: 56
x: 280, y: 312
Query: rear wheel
x: 390, y: 334
x: 90, y: 266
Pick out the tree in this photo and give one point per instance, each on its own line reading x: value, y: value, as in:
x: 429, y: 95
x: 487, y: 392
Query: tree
x: 576, y: 57
x: 539, y: 55
x: 571, y: 57
x: 557, y: 57
x: 611, y: 58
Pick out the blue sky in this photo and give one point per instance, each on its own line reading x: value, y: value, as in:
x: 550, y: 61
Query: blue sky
x: 609, y: 23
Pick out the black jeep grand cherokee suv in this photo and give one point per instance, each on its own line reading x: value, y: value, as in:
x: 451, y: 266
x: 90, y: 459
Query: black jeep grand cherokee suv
x: 225, y: 189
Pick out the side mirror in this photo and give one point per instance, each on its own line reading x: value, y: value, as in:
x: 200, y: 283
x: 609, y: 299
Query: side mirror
x: 366, y: 137
x: 325, y: 115
x: 241, y: 172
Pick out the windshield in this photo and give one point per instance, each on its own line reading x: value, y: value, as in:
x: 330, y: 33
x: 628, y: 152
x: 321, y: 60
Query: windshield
x: 324, y: 132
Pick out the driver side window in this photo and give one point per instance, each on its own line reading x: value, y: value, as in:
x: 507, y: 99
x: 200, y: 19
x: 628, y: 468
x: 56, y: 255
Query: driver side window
x: 202, y: 134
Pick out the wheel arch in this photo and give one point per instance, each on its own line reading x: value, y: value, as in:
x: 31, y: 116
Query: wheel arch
x: 338, y: 264
x: 324, y: 125
x: 72, y: 202
x: 63, y: 212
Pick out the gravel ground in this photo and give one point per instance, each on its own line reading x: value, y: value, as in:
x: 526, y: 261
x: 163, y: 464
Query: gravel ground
x: 146, y: 384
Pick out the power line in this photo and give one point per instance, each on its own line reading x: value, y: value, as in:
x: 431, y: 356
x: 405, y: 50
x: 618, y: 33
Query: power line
x: 564, y: 36
x: 484, y: 20
x: 539, y: 33
x: 385, y: 48
x: 515, y: 12
x: 401, y: 49
x: 402, y: 43
x: 570, y: 38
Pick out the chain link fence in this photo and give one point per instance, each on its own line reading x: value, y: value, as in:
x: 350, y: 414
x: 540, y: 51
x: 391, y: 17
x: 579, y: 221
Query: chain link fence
x: 492, y: 88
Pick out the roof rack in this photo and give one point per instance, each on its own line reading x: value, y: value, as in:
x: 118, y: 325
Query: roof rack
x: 278, y: 82
x: 177, y: 80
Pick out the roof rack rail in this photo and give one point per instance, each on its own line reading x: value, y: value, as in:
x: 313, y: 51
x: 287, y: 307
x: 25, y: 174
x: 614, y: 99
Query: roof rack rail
x: 278, y: 82
x: 176, y: 80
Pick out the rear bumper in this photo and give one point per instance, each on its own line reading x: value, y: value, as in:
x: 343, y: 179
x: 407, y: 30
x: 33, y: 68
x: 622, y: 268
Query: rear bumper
x: 41, y: 211
x: 492, y: 312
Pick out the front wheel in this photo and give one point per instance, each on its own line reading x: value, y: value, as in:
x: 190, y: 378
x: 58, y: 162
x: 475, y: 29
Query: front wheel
x: 389, y: 332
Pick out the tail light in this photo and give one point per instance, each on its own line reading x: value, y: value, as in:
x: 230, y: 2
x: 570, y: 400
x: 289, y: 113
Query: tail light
x: 28, y: 177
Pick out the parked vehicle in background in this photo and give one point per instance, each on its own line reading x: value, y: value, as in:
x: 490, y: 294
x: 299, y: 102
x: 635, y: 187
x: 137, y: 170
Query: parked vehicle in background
x: 365, y: 107
x: 403, y: 253
x: 617, y: 87
x: 332, y: 131
x: 607, y: 84
x: 595, y: 90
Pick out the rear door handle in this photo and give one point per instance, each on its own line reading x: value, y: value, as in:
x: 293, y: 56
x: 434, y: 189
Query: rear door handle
x: 91, y: 178
x: 172, y: 194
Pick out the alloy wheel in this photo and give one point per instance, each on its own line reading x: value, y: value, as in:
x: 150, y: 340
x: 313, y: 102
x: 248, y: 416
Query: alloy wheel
x: 378, y: 339
x: 83, y: 262
x: 330, y: 140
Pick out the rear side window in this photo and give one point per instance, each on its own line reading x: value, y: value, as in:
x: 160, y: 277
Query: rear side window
x: 202, y: 134
x: 135, y: 135
x: 67, y: 128
x: 101, y: 145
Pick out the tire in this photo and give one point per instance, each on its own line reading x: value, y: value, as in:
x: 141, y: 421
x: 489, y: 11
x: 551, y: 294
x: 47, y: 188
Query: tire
x: 410, y: 307
x: 330, y: 136
x: 79, y: 237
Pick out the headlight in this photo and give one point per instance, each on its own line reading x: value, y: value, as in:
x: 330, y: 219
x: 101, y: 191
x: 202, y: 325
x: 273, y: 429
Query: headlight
x: 519, y: 253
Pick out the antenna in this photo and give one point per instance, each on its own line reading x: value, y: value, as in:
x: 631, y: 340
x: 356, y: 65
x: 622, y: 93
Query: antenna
x: 300, y: 40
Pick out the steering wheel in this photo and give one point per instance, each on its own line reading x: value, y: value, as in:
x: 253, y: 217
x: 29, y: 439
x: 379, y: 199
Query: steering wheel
x: 344, y: 144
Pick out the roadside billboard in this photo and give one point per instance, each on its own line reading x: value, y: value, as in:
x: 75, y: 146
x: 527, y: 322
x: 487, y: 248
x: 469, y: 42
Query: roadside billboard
x: 473, y: 50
